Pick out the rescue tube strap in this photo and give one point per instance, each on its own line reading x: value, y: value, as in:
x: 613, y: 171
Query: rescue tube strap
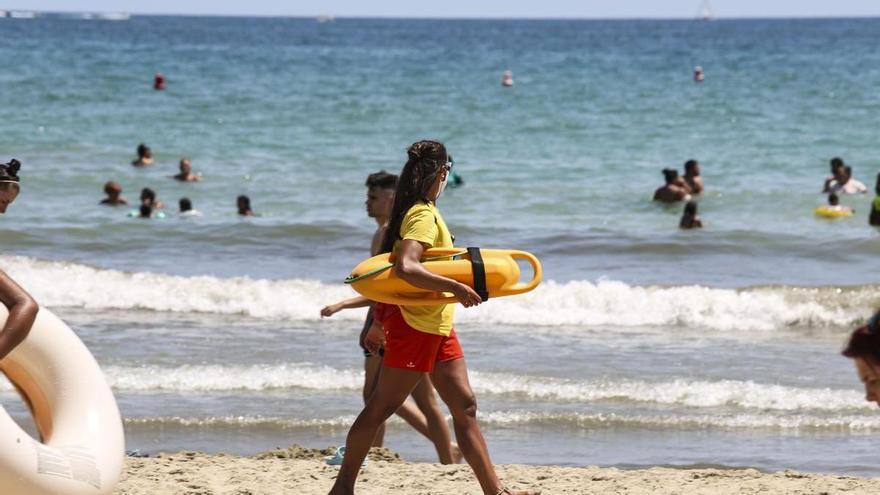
x: 479, y: 272
x: 352, y: 279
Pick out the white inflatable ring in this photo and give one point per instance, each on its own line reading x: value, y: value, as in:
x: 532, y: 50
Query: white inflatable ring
x: 82, y: 443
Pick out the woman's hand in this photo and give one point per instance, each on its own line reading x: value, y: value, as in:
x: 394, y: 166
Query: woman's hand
x: 466, y: 296
x: 330, y: 310
x: 374, y: 340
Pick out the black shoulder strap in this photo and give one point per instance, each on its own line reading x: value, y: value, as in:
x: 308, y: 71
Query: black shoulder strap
x: 479, y: 272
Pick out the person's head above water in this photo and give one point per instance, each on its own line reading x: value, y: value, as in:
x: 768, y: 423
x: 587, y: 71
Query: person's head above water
x: 670, y: 175
x: 185, y: 166
x: 144, y: 151
x: 148, y: 196
x: 833, y: 200
x: 380, y: 193
x: 692, y: 168
x: 864, y: 348
x: 877, y: 185
x: 422, y: 179
x: 836, y: 164
x: 244, y: 205
x: 9, y: 183
x: 185, y: 204
x: 112, y: 189
x: 846, y: 174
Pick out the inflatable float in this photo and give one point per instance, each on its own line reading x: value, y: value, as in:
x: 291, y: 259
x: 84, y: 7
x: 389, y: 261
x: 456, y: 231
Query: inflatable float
x: 832, y: 212
x: 491, y: 272
x: 81, y: 445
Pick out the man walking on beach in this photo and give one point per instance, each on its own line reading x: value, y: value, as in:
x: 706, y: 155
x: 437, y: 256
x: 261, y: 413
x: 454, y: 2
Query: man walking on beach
x: 424, y: 415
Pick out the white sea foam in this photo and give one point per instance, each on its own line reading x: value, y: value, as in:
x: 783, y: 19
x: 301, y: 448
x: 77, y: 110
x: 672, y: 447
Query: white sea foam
x: 765, y: 421
x: 577, y: 303
x: 696, y: 394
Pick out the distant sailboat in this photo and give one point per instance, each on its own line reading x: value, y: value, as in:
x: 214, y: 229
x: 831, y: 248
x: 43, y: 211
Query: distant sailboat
x: 706, y: 13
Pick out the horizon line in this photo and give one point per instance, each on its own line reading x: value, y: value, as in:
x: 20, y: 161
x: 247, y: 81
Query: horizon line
x: 442, y: 18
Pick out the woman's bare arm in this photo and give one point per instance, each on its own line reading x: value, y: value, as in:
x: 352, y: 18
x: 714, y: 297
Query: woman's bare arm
x: 409, y: 268
x: 22, y: 313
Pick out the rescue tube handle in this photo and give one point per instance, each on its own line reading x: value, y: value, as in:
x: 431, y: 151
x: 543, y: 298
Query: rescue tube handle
x: 538, y: 273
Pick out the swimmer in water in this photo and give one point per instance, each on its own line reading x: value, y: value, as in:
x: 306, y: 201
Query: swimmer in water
x: 698, y: 74
x: 864, y: 348
x: 834, y: 204
x: 145, y: 156
x: 846, y: 184
x: 874, y: 218
x: 22, y: 307
x: 186, y: 174
x: 837, y: 174
x: 186, y: 208
x: 690, y: 219
x: 159, y: 82
x: 674, y: 190
x: 507, y: 79
x: 148, y: 197
x: 244, y: 206
x: 423, y: 413
x: 692, y: 176
x: 114, y: 194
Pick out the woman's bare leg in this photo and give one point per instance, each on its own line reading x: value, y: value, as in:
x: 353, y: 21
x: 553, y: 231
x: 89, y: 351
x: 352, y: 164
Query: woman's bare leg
x: 451, y: 381
x: 409, y: 411
x: 438, y: 430
x: 393, y: 388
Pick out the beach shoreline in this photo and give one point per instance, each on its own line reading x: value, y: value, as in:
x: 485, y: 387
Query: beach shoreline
x: 302, y: 471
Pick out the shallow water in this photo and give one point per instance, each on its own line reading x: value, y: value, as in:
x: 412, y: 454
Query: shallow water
x: 645, y: 346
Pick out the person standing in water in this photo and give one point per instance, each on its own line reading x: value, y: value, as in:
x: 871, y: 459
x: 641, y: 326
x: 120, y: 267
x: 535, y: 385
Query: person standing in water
x: 692, y: 176
x: 690, y: 219
x: 874, y: 218
x: 21, y: 306
x: 243, y: 203
x: 420, y: 340
x: 114, y: 194
x: 186, y: 174
x: 425, y: 415
x: 145, y: 156
x: 674, y: 190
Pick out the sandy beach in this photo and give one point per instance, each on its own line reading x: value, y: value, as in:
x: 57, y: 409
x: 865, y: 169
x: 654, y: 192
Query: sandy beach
x: 301, y: 470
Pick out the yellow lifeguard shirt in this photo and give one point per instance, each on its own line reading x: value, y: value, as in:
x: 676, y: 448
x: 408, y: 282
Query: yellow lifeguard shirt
x: 424, y: 224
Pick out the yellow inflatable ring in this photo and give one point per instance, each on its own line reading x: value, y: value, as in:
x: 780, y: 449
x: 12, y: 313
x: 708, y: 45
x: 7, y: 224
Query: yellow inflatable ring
x: 82, y: 444
x: 831, y: 212
x: 496, y: 269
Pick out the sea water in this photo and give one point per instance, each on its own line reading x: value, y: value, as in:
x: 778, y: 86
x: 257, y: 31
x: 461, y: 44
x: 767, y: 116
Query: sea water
x: 645, y: 345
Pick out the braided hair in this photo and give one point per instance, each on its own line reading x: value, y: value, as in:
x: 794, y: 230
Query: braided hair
x: 9, y: 171
x: 425, y: 160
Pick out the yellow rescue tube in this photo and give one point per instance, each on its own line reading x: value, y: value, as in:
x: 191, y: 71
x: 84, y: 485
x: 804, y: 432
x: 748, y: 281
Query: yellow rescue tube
x: 832, y: 212
x: 82, y: 444
x: 375, y: 279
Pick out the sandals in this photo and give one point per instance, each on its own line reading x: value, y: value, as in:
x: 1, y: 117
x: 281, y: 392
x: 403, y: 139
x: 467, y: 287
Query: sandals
x: 336, y: 459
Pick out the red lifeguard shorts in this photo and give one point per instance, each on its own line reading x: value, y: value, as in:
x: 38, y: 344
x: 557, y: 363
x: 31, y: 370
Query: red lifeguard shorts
x: 409, y: 349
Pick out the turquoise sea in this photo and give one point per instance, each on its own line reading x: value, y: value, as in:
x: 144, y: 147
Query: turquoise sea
x: 646, y: 345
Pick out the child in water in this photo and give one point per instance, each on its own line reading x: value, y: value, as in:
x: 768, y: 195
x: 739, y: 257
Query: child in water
x: 834, y: 204
x: 690, y: 219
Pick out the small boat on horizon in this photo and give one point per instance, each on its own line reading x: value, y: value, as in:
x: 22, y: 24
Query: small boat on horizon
x: 325, y: 18
x: 706, y: 13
